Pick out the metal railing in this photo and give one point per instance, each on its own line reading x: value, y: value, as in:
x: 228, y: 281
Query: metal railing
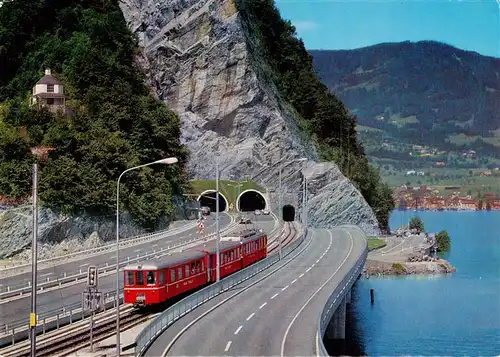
x: 65, y: 312
x: 176, y: 311
x: 125, y: 242
x: 336, y: 297
x: 20, y: 290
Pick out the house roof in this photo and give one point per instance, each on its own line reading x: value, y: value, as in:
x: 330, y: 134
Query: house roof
x: 49, y: 95
x: 48, y: 79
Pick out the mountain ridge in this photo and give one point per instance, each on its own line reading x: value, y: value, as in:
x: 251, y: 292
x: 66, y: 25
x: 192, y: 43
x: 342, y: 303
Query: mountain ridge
x: 423, y: 92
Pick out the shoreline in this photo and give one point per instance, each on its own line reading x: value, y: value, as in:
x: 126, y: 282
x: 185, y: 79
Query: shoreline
x: 398, y: 256
x: 374, y: 267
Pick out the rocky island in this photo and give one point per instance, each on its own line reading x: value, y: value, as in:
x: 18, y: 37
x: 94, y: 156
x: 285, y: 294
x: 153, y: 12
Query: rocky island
x: 405, y: 256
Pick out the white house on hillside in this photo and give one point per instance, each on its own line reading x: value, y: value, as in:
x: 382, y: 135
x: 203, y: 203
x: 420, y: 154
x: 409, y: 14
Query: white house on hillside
x: 49, y: 92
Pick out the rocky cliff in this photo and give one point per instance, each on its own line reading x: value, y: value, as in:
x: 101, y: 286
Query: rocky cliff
x: 201, y: 60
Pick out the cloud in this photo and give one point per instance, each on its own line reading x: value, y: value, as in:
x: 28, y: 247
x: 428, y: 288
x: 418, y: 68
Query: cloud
x: 305, y: 25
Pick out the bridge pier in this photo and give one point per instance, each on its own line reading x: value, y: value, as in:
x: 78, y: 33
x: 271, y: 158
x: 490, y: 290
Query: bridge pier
x: 336, y: 327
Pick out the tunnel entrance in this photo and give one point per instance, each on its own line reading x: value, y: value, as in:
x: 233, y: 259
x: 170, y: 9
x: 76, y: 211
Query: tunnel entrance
x: 208, y: 199
x: 251, y: 200
x: 288, y: 213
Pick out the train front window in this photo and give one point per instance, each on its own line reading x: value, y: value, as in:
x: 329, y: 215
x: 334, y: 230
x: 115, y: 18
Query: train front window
x: 129, y: 278
x: 150, y: 277
x: 139, y: 278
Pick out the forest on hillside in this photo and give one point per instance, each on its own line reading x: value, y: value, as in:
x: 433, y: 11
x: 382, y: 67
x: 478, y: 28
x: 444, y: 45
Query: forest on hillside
x: 114, y: 124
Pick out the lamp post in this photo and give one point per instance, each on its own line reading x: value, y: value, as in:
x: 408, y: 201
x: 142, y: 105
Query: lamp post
x: 217, y: 218
x: 167, y: 161
x: 280, y: 200
x: 34, y: 263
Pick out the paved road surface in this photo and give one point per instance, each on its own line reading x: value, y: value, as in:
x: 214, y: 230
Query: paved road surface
x: 255, y: 323
x: 398, y: 248
x: 19, y: 309
x: 100, y: 260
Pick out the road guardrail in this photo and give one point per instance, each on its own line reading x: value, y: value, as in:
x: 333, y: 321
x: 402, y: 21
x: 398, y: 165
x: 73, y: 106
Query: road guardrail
x: 61, y: 316
x: 176, y: 311
x: 125, y: 242
x: 20, y: 291
x: 336, y: 298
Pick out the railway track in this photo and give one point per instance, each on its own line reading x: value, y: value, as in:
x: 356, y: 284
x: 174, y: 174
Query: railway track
x: 59, y: 343
x: 290, y: 235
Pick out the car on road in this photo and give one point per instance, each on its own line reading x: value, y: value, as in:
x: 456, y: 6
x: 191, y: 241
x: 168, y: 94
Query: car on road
x: 258, y: 212
x: 245, y: 220
x: 205, y: 210
x: 265, y: 212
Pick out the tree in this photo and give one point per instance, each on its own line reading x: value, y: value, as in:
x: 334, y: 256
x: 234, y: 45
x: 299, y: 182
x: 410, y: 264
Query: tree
x: 116, y: 123
x: 416, y: 223
x: 443, y: 241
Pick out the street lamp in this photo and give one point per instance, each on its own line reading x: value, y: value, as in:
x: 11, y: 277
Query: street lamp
x: 237, y: 187
x: 167, y: 161
x: 281, y: 199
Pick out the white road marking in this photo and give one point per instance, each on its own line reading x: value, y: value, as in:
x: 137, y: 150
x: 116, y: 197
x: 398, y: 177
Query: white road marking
x: 301, y: 275
x: 238, y: 330
x: 312, y: 266
x: 155, y: 245
x: 84, y: 264
x: 250, y: 316
x: 228, y: 346
x: 317, y: 261
x: 308, y: 269
x: 317, y: 291
x: 286, y: 287
x: 261, y: 306
x: 294, y: 280
x: 47, y: 274
x: 137, y: 250
x: 272, y: 297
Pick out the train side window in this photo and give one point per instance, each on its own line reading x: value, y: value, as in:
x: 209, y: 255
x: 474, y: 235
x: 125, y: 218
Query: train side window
x: 139, y: 278
x: 129, y: 278
x: 193, y: 268
x: 150, y: 277
x: 202, y: 265
x: 186, y: 269
x: 232, y: 255
x: 161, y: 278
x: 179, y: 273
x: 172, y: 275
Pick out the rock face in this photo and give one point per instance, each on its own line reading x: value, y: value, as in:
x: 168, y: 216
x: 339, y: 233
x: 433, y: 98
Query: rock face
x: 198, y: 58
x: 59, y: 234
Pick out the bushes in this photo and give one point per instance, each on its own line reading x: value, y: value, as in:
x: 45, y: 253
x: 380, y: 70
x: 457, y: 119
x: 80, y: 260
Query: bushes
x: 443, y: 241
x: 416, y: 223
x: 116, y: 124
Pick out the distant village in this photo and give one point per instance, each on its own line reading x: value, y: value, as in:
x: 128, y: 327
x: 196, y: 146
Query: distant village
x: 424, y: 198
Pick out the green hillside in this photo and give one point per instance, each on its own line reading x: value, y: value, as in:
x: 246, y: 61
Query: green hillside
x: 419, y: 103
x: 113, y: 123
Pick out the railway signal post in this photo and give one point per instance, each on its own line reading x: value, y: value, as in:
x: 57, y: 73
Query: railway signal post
x: 91, y: 299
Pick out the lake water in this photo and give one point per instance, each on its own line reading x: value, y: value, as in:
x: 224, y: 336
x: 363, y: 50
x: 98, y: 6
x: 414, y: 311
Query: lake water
x: 456, y: 314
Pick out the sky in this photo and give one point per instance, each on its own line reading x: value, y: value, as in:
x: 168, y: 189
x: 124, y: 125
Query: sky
x: 346, y: 24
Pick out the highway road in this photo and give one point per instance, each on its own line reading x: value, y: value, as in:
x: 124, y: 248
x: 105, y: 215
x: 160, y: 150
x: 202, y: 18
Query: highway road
x: 397, y: 246
x: 51, y: 300
x: 100, y: 260
x: 278, y: 314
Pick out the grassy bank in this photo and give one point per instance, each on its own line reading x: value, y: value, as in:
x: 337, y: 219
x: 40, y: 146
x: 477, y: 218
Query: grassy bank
x: 375, y: 243
x: 226, y: 187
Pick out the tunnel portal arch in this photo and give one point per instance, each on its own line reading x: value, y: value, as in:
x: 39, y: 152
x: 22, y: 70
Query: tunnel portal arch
x: 207, y: 198
x: 251, y: 200
x: 288, y: 213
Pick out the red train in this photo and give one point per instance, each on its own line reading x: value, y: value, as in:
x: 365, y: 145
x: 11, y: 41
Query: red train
x: 155, y: 281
